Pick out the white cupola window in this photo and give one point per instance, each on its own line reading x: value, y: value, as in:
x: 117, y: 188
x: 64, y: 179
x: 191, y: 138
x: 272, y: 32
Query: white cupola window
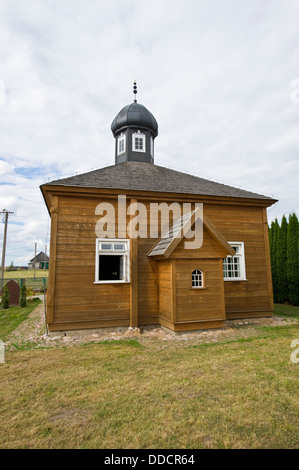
x: 121, y: 144
x: 138, y: 142
x: 152, y: 146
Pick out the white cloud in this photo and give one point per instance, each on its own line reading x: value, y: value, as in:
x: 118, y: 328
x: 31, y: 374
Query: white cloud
x: 216, y: 74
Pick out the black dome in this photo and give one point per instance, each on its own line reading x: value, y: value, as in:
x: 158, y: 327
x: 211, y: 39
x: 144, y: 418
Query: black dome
x: 134, y: 115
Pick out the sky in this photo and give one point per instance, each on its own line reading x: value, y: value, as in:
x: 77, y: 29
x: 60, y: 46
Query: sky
x: 220, y: 76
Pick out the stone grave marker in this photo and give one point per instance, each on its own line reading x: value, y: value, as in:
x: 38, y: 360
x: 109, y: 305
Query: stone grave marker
x: 14, y: 292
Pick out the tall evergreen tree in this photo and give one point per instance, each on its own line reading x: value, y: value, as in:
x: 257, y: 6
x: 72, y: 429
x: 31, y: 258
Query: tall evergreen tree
x: 270, y: 237
x: 274, y: 236
x: 281, y: 262
x: 293, y: 259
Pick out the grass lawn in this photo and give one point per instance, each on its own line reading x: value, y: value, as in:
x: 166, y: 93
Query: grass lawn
x: 11, y: 318
x: 26, y: 274
x: 286, y: 310
x: 121, y: 394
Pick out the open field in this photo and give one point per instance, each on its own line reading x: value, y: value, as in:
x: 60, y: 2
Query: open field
x: 123, y: 394
x: 26, y: 274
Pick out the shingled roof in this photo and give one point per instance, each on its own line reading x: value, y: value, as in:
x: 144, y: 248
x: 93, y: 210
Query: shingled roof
x: 148, y: 177
x: 41, y: 257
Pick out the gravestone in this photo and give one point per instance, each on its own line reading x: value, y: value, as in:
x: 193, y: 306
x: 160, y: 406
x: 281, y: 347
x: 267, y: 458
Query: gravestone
x: 14, y: 292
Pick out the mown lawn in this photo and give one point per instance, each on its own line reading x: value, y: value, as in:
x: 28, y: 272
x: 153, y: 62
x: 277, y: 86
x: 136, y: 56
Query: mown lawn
x: 26, y: 274
x: 286, y: 310
x: 241, y: 394
x: 11, y: 318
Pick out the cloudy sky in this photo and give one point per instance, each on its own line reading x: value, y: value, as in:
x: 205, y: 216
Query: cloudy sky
x: 220, y: 76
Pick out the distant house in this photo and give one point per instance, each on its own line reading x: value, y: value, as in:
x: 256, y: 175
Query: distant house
x: 40, y: 261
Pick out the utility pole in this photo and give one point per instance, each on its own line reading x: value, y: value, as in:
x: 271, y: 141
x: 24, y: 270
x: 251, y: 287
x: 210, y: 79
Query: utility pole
x: 34, y: 258
x: 6, y: 214
x: 45, y: 256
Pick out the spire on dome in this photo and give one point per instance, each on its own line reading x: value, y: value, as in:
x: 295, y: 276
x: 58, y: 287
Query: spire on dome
x: 135, y: 91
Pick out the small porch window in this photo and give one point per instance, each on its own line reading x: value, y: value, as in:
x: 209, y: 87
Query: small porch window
x: 112, y: 261
x: 197, y: 279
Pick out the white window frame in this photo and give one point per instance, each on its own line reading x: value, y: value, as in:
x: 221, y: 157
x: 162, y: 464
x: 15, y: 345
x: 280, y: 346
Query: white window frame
x: 113, y: 252
x: 240, y: 255
x: 152, y: 146
x: 138, y: 135
x: 121, y: 139
x: 197, y: 277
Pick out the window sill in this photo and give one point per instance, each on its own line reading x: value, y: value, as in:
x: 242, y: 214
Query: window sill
x: 235, y: 280
x: 198, y: 288
x: 111, y: 282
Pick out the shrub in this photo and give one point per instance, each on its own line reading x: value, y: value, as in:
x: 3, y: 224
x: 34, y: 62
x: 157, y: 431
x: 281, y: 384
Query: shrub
x: 5, y: 298
x: 23, y: 302
x: 29, y: 292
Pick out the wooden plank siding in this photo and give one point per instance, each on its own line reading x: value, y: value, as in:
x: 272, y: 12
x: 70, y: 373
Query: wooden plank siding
x: 78, y: 302
x: 162, y: 291
x: 166, y: 300
x: 254, y: 296
x: 199, y: 304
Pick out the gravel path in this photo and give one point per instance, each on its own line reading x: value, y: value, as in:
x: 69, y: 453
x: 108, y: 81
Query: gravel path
x: 33, y: 330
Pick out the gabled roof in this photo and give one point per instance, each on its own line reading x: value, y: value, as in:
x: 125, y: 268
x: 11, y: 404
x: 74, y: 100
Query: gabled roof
x: 170, y: 240
x: 41, y: 257
x: 149, y: 177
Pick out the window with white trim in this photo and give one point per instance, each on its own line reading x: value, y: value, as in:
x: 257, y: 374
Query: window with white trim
x: 138, y: 143
x: 197, y: 278
x: 121, y: 144
x: 152, y: 146
x: 234, y: 266
x: 112, y: 260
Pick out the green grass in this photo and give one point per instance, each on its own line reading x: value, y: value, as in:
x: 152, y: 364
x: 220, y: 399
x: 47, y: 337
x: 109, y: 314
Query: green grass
x: 123, y: 394
x: 242, y: 394
x: 13, y: 316
x: 286, y: 310
x: 26, y: 274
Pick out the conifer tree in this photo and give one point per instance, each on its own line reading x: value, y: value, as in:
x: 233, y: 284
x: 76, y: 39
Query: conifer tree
x: 5, y: 298
x: 274, y: 236
x: 293, y: 259
x: 281, y: 262
x: 270, y: 237
x: 23, y: 302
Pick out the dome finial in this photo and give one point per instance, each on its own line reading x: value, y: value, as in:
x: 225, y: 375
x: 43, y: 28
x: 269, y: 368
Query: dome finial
x: 135, y: 90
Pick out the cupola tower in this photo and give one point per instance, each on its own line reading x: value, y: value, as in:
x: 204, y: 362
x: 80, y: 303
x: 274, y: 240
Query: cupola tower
x: 134, y: 129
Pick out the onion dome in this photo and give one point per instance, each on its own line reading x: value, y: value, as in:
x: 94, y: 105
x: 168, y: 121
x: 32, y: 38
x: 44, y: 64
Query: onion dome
x: 134, y: 115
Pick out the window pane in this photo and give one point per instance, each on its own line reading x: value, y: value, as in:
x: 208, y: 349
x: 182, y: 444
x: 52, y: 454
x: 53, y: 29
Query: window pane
x: 139, y: 143
x: 119, y: 246
x: 111, y: 268
x: 232, y: 267
x: 106, y: 246
x: 197, y: 278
